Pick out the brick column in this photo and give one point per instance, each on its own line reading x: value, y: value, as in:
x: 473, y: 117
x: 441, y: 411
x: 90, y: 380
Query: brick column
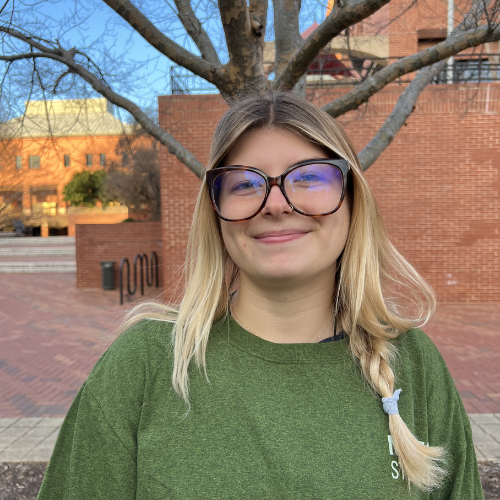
x: 191, y: 119
x: 26, y: 199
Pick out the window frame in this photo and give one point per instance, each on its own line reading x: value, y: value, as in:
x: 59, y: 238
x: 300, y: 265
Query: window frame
x: 33, y: 160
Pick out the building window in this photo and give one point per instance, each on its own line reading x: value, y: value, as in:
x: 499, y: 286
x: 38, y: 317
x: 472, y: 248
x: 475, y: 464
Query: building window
x: 89, y: 160
x: 44, y: 200
x: 19, y: 162
x: 102, y: 160
x: 34, y: 162
x: 67, y: 160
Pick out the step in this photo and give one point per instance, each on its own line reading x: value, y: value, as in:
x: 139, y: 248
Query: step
x: 36, y: 251
x: 38, y: 267
x: 37, y: 241
x: 38, y: 258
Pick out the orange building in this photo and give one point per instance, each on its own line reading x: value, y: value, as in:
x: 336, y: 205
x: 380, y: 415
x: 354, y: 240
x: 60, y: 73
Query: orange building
x: 42, y: 150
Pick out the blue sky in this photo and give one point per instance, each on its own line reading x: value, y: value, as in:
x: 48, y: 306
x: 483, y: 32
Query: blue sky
x: 135, y: 69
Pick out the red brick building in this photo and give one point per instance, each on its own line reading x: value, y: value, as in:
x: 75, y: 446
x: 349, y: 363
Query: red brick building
x: 438, y: 184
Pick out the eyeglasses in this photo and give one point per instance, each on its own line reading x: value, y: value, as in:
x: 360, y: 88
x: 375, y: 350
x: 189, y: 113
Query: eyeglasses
x: 311, y: 187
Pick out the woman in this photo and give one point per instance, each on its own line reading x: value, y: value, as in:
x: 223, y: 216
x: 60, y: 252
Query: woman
x: 279, y: 374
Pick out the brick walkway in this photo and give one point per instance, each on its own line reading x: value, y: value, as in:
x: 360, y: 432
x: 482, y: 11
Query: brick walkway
x: 52, y: 334
x: 468, y: 337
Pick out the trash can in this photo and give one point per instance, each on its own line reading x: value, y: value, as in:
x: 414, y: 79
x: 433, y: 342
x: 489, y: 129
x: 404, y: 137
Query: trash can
x: 108, y: 275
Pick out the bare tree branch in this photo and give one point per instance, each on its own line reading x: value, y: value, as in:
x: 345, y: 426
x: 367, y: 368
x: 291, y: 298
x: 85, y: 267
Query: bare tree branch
x: 258, y: 20
x: 195, y: 30
x: 176, y: 53
x: 33, y: 42
x: 28, y: 55
x: 450, y: 47
x: 407, y: 101
x: 287, y: 32
x: 244, y: 39
x: 66, y: 57
x: 258, y: 14
x: 244, y: 23
x: 402, y: 110
x: 342, y: 16
x: 4, y: 5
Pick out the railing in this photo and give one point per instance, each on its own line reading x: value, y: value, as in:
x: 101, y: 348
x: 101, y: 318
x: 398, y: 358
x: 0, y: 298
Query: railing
x: 332, y: 70
x: 184, y: 82
x: 477, y: 68
x: 471, y: 70
x: 151, y: 274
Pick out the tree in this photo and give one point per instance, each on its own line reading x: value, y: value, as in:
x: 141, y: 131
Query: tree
x: 52, y: 60
x: 135, y: 181
x: 10, y: 209
x: 87, y: 189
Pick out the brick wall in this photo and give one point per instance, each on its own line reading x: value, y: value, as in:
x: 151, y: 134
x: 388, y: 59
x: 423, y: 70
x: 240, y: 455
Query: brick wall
x: 438, y: 187
x: 111, y: 242
x: 409, y: 17
x: 191, y: 120
x: 438, y: 184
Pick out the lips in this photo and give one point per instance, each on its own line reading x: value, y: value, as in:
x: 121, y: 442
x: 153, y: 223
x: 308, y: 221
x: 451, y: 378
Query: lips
x: 280, y: 236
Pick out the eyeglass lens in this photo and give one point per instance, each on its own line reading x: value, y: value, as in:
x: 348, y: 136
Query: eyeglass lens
x: 312, y: 189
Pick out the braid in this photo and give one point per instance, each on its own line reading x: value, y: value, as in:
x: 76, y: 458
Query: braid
x: 419, y: 463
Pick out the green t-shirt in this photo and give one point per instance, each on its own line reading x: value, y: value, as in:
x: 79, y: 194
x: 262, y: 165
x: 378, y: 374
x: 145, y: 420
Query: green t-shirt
x: 276, y: 421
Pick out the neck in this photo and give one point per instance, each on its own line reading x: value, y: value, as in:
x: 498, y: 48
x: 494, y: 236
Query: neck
x: 286, y: 315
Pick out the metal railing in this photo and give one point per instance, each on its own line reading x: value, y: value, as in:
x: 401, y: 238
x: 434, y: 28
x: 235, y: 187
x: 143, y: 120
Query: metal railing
x: 331, y: 71
x: 151, y: 274
x: 479, y: 70
x: 183, y: 82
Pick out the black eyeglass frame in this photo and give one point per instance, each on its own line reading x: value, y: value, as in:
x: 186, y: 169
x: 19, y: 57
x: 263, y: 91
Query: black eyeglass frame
x: 341, y: 164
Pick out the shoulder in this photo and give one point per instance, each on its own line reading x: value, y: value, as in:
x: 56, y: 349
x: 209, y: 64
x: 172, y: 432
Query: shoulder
x: 131, y: 359
x: 415, y: 343
x: 419, y: 359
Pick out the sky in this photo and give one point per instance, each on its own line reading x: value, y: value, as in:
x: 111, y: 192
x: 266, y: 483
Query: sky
x: 134, y: 68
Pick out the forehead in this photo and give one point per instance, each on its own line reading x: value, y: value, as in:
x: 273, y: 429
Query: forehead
x: 272, y: 149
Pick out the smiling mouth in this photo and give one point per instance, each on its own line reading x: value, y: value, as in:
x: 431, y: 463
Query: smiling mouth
x: 280, y: 236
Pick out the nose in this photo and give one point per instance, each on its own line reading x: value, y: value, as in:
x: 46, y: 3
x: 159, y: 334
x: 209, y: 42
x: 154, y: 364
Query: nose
x: 276, y: 204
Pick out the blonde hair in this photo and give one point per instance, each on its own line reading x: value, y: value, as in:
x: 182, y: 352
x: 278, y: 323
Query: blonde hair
x: 379, y: 293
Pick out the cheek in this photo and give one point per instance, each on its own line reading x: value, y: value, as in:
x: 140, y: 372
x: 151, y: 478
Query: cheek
x: 233, y: 238
x: 338, y: 228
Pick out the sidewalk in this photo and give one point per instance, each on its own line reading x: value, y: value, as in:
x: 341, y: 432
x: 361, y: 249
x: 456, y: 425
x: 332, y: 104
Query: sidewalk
x: 51, y: 336
x: 33, y: 439
x: 468, y: 337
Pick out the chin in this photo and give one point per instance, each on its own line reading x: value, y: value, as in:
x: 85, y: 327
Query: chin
x: 282, y: 273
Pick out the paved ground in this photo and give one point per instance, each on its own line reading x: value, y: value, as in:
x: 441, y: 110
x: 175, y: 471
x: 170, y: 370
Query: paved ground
x: 52, y: 334
x: 468, y: 337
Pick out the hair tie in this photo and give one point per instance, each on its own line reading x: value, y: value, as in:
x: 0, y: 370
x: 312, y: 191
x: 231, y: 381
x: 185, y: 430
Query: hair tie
x: 391, y: 404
